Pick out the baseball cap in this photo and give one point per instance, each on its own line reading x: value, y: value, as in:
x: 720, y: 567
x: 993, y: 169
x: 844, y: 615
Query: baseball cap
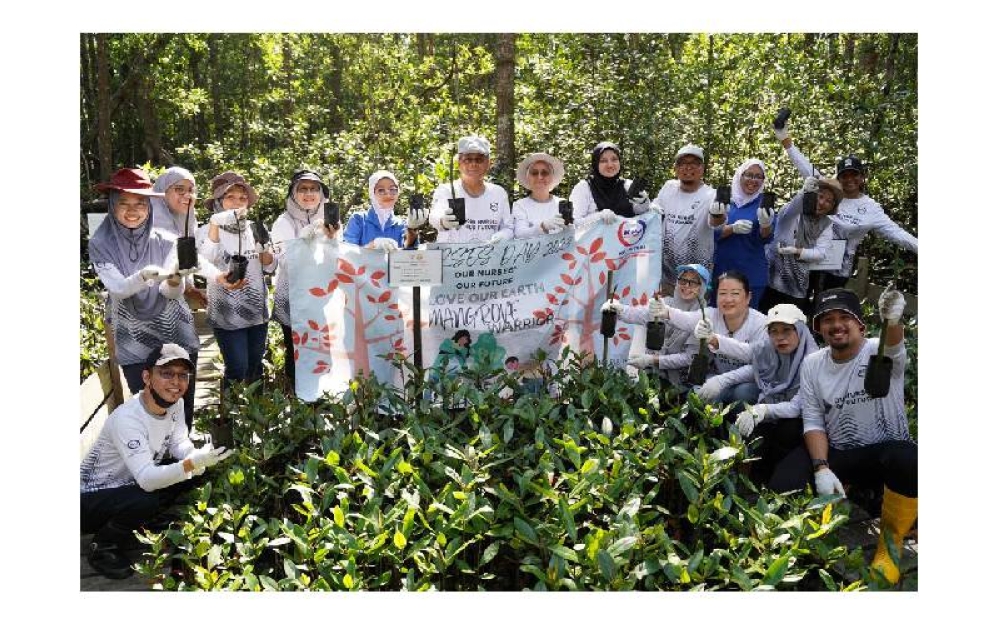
x: 837, y: 299
x: 850, y: 162
x: 167, y: 353
x: 473, y: 144
x: 706, y: 278
x: 785, y: 313
x: 690, y: 150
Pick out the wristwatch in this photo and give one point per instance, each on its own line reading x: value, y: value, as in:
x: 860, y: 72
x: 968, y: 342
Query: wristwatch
x: 820, y: 462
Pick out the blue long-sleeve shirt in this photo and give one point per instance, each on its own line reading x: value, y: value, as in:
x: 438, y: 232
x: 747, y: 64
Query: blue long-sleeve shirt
x: 363, y: 228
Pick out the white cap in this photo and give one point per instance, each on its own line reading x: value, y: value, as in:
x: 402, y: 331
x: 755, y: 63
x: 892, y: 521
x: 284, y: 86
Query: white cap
x: 473, y: 144
x: 785, y: 313
x: 690, y: 150
x: 168, y: 353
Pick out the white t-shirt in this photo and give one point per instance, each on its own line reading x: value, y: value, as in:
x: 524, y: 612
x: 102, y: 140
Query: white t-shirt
x: 834, y: 398
x: 733, y: 364
x: 131, y: 446
x: 687, y: 235
x: 855, y: 218
x: 528, y: 215
x: 484, y: 215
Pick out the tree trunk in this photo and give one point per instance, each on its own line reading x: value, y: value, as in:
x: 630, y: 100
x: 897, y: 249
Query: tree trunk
x: 890, y: 74
x: 88, y: 104
x: 709, y: 108
x: 198, y: 80
x: 143, y: 103
x: 103, y: 108
x: 505, y: 107
x: 848, y: 52
x: 334, y: 81
x: 215, y: 74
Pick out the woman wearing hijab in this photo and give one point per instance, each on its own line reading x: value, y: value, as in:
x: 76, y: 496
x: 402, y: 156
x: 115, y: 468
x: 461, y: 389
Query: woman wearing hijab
x: 146, y: 306
x: 739, y: 244
x: 604, y: 191
x: 775, y: 362
x: 173, y: 216
x: 538, y: 213
x: 673, y: 360
x: 799, y: 240
x: 378, y: 227
x: 237, y: 307
x: 303, y: 216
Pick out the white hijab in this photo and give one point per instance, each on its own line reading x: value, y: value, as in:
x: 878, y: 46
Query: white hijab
x: 740, y: 198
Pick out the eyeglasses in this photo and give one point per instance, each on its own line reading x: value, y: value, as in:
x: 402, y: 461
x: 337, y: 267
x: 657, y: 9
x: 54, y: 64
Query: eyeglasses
x: 688, y: 282
x: 689, y: 164
x: 541, y: 173
x: 181, y: 190
x: 389, y: 191
x: 304, y: 189
x: 180, y: 376
x: 749, y: 176
x: 473, y: 159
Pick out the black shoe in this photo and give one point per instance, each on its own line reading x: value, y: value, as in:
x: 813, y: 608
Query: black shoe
x: 108, y: 560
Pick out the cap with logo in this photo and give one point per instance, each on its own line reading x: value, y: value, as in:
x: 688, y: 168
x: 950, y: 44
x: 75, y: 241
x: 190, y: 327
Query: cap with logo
x: 850, y: 163
x: 837, y: 299
x: 690, y: 150
x: 168, y: 353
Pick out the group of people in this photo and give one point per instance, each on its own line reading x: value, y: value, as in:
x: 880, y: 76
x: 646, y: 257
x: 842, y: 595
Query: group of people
x: 735, y: 283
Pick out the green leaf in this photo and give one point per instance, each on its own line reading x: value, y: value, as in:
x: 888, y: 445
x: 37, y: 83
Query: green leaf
x: 564, y: 552
x: 622, y: 545
x: 723, y: 453
x: 688, y: 486
x: 404, y: 467
x: 338, y: 516
x: 525, y: 530
x: 332, y: 458
x: 776, y: 571
x: 567, y: 518
x: 489, y: 553
x: 827, y: 580
x: 607, y: 565
x: 348, y: 581
x: 399, y: 540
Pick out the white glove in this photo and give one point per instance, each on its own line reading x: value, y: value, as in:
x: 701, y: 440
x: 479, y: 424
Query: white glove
x: 553, y: 225
x: 613, y: 304
x: 152, y: 272
x: 495, y: 238
x: 207, y: 456
x: 750, y: 419
x: 811, y: 185
x: 261, y: 248
x: 717, y: 209
x: 229, y: 217
x: 416, y: 218
x: 788, y: 250
x: 385, y: 244
x: 704, y: 330
x: 827, y: 483
x: 890, y: 305
x: 765, y: 216
x: 640, y: 203
x: 658, y: 311
x: 608, y: 216
x: 449, y: 221
x: 710, y: 390
x: 781, y: 134
x: 506, y: 393
x: 741, y: 226
x: 644, y: 361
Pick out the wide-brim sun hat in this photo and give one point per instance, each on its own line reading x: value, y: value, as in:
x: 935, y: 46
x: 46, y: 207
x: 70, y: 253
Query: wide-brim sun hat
x: 227, y: 180
x: 129, y: 181
x: 558, y: 169
x: 833, y: 186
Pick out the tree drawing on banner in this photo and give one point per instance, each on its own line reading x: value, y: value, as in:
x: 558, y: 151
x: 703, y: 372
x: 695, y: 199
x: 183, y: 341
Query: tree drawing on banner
x: 583, y: 290
x: 354, y: 283
x: 320, y: 336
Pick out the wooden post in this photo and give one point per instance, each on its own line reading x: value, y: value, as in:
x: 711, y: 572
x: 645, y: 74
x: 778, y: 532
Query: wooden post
x: 117, y: 392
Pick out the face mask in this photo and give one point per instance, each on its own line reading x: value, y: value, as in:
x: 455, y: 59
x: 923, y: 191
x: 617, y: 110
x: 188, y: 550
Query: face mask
x: 158, y: 399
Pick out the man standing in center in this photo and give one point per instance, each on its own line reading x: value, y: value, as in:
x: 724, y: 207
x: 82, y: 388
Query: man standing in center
x: 487, y: 209
x: 689, y: 216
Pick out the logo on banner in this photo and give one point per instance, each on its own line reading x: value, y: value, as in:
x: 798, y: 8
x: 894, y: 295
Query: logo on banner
x: 631, y: 232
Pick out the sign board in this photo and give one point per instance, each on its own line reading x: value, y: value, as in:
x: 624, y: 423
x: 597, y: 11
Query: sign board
x: 834, y: 258
x: 415, y: 268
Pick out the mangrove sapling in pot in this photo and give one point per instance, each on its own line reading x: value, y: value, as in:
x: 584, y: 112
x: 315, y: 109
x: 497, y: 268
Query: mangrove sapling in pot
x: 698, y: 369
x: 566, y: 211
x: 187, y: 251
x: 656, y: 332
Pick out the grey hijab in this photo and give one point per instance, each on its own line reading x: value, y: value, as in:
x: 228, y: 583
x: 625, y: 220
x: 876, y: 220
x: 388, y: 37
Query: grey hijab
x: 164, y: 218
x: 129, y: 250
x: 777, y: 375
x: 300, y: 216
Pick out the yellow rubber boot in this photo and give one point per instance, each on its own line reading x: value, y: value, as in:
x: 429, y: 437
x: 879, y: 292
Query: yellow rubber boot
x: 898, y: 515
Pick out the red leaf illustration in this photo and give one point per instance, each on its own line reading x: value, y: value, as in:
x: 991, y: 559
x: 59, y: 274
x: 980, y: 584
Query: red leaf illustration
x: 296, y: 355
x: 305, y: 338
x: 361, y: 270
x: 318, y: 292
x: 572, y: 265
x: 394, y: 306
x: 541, y: 315
x: 370, y: 298
x: 384, y: 297
x: 568, y: 256
x: 378, y: 275
x: 390, y: 317
x: 552, y: 298
x: 626, y: 291
x: 346, y: 266
x: 332, y: 286
x: 581, y: 249
x: 559, y: 289
x: 321, y: 367
x: 296, y: 338
x: 602, y: 278
x: 596, y: 245
x: 598, y: 257
x: 611, y: 264
x: 567, y: 279
x: 313, y: 325
x: 578, y: 281
x: 343, y: 277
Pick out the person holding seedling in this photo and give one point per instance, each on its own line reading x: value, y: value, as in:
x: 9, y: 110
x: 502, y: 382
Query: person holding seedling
x: 854, y: 428
x: 473, y: 210
x: 857, y: 214
x: 728, y: 379
x: 802, y: 236
x: 604, y: 192
x: 377, y: 227
x: 673, y: 358
x: 237, y: 298
x: 775, y: 363
x: 740, y: 243
x: 690, y: 216
x: 538, y: 213
x: 125, y: 479
x: 137, y: 264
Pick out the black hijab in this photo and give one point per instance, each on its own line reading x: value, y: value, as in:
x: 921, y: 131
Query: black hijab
x: 608, y: 192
